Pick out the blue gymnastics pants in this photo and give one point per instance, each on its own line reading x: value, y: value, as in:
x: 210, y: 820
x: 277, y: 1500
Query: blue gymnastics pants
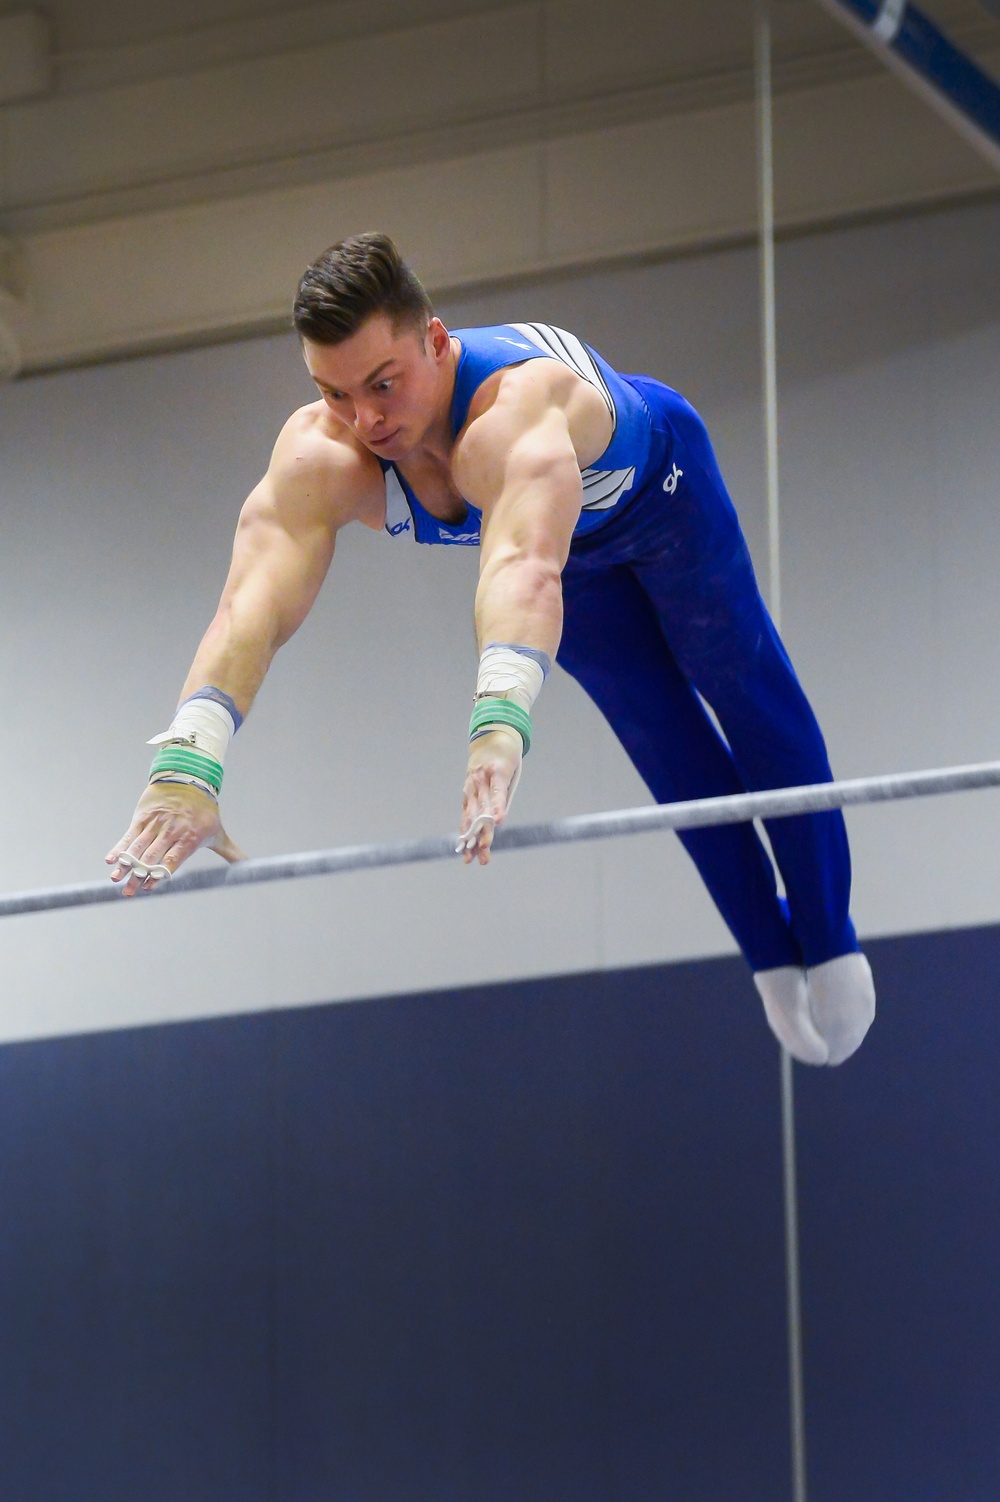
x: 662, y: 610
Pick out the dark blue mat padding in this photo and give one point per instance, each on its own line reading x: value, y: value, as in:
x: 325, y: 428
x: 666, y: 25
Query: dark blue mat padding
x: 899, y: 1159
x: 521, y: 1242
x: 517, y: 1242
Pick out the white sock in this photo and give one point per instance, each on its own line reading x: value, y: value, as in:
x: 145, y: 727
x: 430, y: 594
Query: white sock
x: 786, y: 1005
x: 842, y: 1002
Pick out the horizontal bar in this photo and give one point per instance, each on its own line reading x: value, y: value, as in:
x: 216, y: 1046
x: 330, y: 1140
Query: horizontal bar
x: 738, y: 808
x: 913, y: 47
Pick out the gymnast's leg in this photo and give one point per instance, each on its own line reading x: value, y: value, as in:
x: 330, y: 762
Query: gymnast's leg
x: 723, y: 640
x: 613, y: 646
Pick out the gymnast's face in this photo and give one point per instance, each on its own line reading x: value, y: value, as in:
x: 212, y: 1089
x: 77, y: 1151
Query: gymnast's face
x: 388, y: 387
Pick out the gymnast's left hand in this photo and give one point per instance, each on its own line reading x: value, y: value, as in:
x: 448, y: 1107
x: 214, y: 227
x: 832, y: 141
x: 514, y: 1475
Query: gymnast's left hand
x: 493, y: 771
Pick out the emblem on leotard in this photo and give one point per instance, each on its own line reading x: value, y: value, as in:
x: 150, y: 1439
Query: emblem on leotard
x: 464, y: 539
x: 670, y: 483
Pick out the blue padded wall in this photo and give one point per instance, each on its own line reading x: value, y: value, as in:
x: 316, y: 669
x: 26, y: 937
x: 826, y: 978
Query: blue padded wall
x: 522, y: 1241
x: 899, y: 1185
x: 136, y: 1271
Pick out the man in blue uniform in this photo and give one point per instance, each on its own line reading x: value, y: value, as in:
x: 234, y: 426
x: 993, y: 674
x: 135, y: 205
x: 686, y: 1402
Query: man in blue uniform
x: 608, y: 542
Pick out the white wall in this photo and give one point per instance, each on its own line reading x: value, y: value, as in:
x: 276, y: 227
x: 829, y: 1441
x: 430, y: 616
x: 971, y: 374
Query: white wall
x: 119, y: 488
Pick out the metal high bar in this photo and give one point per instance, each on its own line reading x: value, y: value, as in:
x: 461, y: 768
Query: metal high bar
x: 737, y: 808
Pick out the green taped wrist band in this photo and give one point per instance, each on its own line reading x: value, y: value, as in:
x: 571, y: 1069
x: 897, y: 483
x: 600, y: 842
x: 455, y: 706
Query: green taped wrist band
x: 180, y: 759
x: 490, y: 712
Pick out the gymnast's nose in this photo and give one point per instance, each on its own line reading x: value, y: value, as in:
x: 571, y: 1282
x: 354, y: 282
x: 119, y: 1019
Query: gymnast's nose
x: 367, y: 420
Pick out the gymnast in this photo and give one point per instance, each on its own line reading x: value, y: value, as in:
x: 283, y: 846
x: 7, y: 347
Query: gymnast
x: 608, y: 543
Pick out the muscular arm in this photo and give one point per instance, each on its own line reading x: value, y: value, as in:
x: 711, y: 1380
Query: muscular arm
x: 520, y: 463
x: 283, y: 548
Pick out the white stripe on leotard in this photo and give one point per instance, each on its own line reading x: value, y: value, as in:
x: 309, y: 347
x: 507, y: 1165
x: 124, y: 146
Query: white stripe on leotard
x: 602, y: 488
x: 568, y: 349
x: 398, y: 517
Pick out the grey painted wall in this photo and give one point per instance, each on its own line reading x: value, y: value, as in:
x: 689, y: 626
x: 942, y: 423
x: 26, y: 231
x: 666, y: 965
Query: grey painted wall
x: 119, y: 489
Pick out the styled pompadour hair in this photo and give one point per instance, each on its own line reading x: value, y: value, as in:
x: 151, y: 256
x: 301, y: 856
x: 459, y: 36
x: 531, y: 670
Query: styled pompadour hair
x: 355, y: 278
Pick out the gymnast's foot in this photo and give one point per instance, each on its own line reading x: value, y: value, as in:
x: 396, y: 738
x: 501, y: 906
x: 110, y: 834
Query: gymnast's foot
x: 785, y: 995
x: 841, y: 1003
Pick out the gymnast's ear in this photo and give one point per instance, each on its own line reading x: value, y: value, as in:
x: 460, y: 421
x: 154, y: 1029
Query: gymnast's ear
x: 437, y: 340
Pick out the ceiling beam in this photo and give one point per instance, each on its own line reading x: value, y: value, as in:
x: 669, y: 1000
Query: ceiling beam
x: 178, y: 276
x: 911, y: 45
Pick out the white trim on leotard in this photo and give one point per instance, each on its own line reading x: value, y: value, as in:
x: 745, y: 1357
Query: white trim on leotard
x: 398, y: 516
x: 602, y: 488
x: 568, y: 349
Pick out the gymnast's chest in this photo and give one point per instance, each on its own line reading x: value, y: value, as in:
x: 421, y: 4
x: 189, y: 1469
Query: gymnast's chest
x: 431, y: 484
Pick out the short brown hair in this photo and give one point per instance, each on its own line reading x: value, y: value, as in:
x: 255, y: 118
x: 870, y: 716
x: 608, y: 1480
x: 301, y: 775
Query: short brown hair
x: 355, y: 278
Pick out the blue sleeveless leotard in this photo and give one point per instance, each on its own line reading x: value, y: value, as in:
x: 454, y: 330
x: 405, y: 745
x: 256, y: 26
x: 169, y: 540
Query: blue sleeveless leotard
x: 608, y: 484
x: 662, y: 615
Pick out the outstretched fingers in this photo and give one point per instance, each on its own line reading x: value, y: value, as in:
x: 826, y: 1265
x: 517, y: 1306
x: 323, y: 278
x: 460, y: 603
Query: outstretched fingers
x: 127, y: 858
x: 484, y: 809
x: 477, y: 839
x: 150, y: 858
x: 170, y: 823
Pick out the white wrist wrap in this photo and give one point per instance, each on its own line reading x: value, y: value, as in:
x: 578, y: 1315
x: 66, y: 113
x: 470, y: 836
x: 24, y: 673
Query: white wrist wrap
x: 514, y: 673
x: 203, y: 725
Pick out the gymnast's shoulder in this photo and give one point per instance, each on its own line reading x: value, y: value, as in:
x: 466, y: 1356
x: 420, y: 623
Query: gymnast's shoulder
x: 316, y: 463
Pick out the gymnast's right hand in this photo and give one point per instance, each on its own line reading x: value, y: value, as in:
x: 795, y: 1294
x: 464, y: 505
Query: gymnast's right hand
x: 171, y: 821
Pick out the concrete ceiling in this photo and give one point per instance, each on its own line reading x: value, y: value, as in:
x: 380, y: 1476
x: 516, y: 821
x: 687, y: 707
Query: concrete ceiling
x: 167, y: 171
